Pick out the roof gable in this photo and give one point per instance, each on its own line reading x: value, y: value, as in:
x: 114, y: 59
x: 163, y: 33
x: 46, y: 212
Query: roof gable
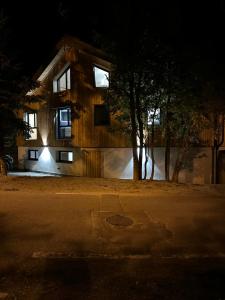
x: 67, y: 43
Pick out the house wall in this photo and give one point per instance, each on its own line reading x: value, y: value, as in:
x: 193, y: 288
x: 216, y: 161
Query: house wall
x: 82, y: 92
x: 48, y: 163
x: 85, y: 135
x: 98, y: 152
x: 117, y: 163
x: 197, y: 167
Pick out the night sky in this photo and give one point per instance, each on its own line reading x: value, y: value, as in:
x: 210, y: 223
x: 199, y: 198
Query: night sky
x: 36, y: 26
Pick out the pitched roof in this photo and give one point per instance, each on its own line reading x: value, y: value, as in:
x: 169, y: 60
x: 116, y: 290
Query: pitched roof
x: 68, y: 42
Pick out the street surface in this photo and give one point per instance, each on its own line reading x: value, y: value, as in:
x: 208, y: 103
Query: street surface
x: 59, y: 245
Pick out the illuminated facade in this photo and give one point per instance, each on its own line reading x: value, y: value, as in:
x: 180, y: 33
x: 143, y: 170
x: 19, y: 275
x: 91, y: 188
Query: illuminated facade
x: 69, y: 133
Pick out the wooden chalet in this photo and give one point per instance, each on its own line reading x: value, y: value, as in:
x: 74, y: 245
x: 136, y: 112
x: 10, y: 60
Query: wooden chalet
x: 70, y: 131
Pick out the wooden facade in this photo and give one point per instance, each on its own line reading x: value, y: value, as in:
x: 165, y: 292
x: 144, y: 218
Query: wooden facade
x: 98, y: 151
x: 87, y: 139
x: 82, y: 91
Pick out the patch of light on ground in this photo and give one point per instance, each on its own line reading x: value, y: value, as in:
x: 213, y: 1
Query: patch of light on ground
x: 32, y: 174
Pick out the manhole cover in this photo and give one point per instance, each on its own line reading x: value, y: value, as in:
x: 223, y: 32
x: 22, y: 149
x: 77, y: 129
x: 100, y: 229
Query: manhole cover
x: 119, y: 220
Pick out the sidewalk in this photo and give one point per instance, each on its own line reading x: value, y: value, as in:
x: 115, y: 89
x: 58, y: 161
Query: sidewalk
x: 30, y: 181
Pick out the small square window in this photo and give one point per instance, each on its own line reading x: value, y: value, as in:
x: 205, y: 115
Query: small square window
x: 101, y: 78
x: 33, y: 154
x: 101, y: 115
x: 65, y: 156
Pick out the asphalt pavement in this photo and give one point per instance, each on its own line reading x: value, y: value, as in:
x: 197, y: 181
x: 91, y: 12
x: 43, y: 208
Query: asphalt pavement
x: 111, y: 246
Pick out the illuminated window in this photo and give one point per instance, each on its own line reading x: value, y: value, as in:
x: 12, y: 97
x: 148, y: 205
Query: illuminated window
x: 154, y: 114
x: 33, y: 154
x: 62, y: 82
x: 101, y: 115
x: 64, y: 123
x: 101, y: 78
x: 65, y: 156
x: 31, y: 120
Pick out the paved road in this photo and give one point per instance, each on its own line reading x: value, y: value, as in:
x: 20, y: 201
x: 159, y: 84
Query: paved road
x: 110, y: 246
x: 83, y: 224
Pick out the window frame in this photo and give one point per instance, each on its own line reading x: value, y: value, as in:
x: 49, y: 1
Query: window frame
x: 105, y: 70
x: 63, y: 160
x: 59, y: 126
x: 36, y: 154
x: 27, y: 120
x: 56, y: 81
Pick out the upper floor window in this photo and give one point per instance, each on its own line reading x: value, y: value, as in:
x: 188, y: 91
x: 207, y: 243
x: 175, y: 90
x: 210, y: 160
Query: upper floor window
x: 62, y: 82
x: 101, y: 77
x: 64, y: 123
x: 101, y: 115
x: 154, y: 115
x: 31, y: 120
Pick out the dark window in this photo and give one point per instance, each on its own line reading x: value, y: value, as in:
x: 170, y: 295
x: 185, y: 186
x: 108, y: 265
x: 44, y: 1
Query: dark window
x: 101, y: 115
x: 65, y: 156
x: 101, y: 77
x: 63, y: 82
x: 64, y: 123
x: 31, y: 120
x: 33, y: 154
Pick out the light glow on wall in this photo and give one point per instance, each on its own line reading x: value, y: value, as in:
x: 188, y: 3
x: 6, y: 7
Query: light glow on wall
x: 44, y: 138
x: 46, y: 161
x: 157, y: 171
x: 45, y: 155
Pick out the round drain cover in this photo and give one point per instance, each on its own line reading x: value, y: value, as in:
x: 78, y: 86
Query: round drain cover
x: 119, y: 220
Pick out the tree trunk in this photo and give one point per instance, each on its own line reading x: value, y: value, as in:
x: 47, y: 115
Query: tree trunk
x: 153, y: 163
x: 140, y: 158
x: 146, y: 162
x: 167, y: 156
x: 178, y: 164
x: 141, y: 135
x: 152, y: 147
x: 135, y: 167
x: 134, y: 132
x: 167, y: 142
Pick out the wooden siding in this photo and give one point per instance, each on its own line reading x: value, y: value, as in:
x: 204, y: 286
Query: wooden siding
x: 84, y: 133
x: 92, y: 163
